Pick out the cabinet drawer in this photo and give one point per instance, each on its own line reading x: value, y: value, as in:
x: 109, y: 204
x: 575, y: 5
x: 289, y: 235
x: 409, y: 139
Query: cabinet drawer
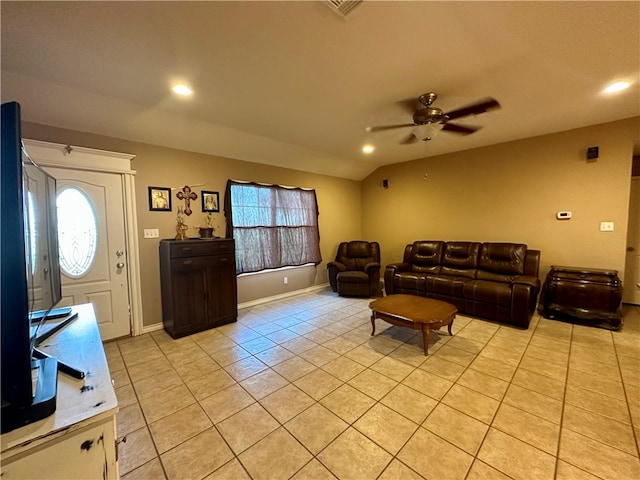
x: 201, y: 247
x: 584, y: 295
x: 585, y: 278
x: 198, y: 263
x: 593, y: 275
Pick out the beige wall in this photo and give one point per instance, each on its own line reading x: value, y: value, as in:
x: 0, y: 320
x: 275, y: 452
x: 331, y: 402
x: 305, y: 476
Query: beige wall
x: 339, y: 203
x: 506, y: 192
x: 511, y: 192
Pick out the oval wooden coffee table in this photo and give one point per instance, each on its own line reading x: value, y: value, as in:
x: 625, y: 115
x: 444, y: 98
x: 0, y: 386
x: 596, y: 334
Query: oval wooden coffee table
x: 417, y: 313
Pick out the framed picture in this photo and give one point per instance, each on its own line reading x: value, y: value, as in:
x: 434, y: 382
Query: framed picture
x: 160, y: 199
x: 210, y: 201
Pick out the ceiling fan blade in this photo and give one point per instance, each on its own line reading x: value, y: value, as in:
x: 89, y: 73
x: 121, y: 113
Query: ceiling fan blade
x: 388, y: 127
x: 452, y: 127
x: 475, y: 109
x: 409, y: 139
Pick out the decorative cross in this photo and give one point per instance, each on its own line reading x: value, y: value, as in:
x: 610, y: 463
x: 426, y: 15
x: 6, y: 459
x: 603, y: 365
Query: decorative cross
x: 187, y: 195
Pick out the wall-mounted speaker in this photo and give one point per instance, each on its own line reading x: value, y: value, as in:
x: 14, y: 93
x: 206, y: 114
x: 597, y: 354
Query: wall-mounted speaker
x: 592, y: 153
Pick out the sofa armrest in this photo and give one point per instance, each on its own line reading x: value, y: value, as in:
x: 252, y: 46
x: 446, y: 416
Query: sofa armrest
x: 524, y: 297
x: 533, y: 282
x: 371, y: 267
x: 333, y: 268
x: 389, y: 271
x: 532, y: 263
x: 373, y: 271
x: 340, y: 267
x: 400, y: 267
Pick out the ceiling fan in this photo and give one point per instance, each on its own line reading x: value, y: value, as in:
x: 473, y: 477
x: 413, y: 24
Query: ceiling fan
x: 428, y: 120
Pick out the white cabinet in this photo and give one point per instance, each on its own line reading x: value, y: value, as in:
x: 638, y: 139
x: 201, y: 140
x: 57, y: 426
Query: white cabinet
x: 78, y: 440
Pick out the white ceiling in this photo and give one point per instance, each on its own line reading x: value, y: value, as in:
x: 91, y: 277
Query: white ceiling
x: 294, y: 84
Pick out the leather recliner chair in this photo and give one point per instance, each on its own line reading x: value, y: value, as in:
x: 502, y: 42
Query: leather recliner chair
x: 356, y: 269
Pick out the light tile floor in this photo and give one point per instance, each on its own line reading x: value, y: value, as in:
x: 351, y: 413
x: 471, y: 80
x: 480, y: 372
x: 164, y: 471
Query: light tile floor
x: 299, y: 389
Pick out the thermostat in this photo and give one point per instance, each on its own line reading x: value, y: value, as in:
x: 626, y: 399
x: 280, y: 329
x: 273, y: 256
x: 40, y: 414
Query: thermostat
x: 563, y: 215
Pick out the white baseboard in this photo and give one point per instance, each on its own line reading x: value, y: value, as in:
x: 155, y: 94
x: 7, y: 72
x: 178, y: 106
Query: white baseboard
x: 158, y: 326
x: 151, y: 328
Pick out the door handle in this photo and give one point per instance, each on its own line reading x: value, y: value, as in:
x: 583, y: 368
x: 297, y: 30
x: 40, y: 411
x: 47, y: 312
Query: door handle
x: 119, y: 253
x: 630, y: 249
x: 120, y: 265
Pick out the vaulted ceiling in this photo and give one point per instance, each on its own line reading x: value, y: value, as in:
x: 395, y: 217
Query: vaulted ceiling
x: 295, y: 84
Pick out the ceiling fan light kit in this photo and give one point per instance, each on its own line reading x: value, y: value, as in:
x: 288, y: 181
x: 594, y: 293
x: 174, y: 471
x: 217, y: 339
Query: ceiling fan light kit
x: 428, y: 121
x: 426, y: 132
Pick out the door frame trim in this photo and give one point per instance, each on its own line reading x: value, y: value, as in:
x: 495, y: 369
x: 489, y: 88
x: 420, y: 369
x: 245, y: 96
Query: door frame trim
x: 629, y: 292
x: 48, y: 154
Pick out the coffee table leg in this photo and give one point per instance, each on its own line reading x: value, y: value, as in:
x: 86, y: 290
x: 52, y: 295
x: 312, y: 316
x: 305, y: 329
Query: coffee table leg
x: 373, y: 323
x: 425, y: 338
x: 450, y: 325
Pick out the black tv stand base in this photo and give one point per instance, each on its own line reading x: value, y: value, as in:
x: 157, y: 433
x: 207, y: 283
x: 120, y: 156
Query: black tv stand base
x: 62, y: 367
x: 44, y: 402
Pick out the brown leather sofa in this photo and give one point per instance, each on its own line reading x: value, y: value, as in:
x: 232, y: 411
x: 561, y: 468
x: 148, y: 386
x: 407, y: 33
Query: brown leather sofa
x: 356, y: 269
x: 498, y: 281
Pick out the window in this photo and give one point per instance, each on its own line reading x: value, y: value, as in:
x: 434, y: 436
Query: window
x: 272, y: 226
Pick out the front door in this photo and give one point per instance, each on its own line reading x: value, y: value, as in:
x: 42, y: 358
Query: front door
x: 93, y: 256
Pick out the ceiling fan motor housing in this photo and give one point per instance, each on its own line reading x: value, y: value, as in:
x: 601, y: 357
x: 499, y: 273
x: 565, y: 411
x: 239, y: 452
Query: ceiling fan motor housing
x: 428, y: 115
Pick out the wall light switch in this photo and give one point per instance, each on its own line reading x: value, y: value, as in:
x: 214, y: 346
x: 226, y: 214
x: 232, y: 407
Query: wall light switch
x: 606, y: 226
x: 151, y: 233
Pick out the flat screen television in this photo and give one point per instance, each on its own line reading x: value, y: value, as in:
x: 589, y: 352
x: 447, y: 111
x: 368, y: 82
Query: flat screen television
x: 29, y: 275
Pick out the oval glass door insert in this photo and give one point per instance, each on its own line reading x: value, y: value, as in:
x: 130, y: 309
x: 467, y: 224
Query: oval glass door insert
x: 77, y: 231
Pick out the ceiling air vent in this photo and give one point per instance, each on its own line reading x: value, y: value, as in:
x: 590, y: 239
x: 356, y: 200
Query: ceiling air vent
x: 343, y: 7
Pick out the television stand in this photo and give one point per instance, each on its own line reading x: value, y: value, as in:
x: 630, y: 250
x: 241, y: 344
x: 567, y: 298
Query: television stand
x: 79, y: 439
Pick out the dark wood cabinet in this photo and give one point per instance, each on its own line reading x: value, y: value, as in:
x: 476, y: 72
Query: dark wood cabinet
x: 198, y: 281
x: 587, y: 295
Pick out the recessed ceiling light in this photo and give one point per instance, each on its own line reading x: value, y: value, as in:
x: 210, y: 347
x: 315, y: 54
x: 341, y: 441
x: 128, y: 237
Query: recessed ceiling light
x: 182, y: 90
x: 368, y: 148
x: 617, y: 87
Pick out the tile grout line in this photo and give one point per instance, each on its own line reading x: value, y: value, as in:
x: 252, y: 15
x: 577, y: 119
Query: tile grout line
x: 564, y: 402
x: 634, y: 433
x: 500, y: 403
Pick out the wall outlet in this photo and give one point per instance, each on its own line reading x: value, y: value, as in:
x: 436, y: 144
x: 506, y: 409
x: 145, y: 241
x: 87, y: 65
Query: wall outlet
x: 606, y: 226
x: 285, y: 280
x: 151, y: 233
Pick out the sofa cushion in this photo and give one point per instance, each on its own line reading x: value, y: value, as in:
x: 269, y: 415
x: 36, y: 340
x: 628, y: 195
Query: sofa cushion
x: 426, y: 256
x: 501, y: 262
x: 446, y: 285
x: 498, y: 293
x: 353, y: 276
x: 460, y: 259
x: 410, y: 280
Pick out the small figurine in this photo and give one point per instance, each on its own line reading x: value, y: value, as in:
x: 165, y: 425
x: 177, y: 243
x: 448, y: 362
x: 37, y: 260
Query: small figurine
x: 181, y: 228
